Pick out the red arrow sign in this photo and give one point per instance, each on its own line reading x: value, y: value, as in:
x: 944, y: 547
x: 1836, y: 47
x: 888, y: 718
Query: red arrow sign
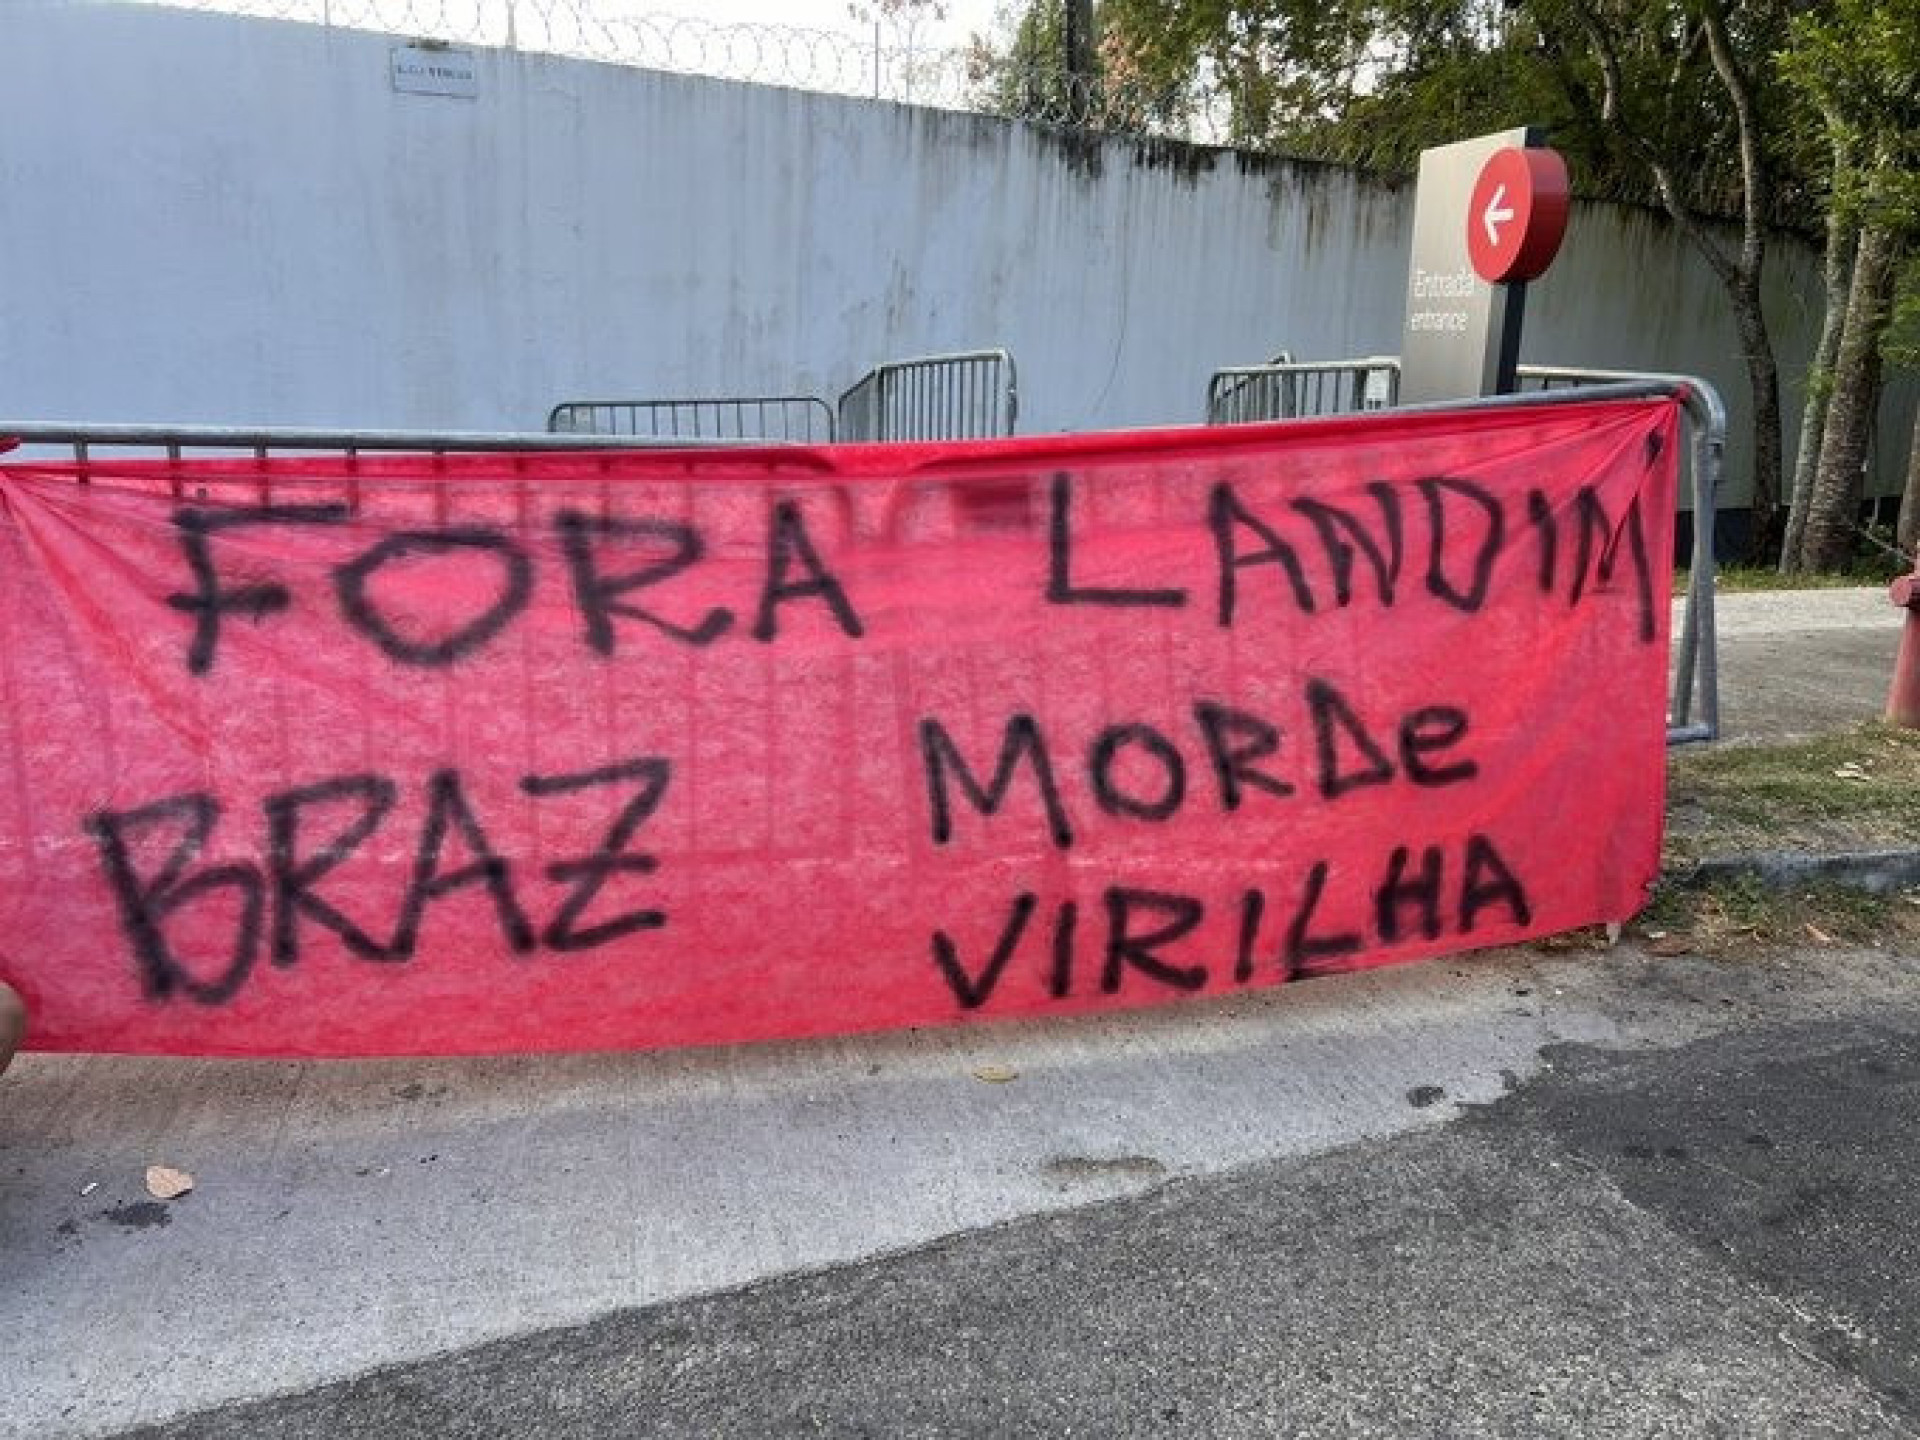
x: 1518, y: 214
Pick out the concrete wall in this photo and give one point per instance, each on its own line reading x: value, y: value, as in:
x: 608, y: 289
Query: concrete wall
x: 207, y: 218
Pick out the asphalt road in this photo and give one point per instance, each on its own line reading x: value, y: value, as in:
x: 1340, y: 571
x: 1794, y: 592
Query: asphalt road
x: 1718, y: 1239
x: 1699, y: 1224
x: 1797, y: 662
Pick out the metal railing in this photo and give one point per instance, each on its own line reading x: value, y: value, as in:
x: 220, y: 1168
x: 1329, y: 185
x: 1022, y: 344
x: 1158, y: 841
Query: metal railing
x: 1698, y: 645
x: 1289, y: 389
x: 1531, y: 378
x: 1243, y: 393
x: 970, y: 395
x: 259, y: 454
x: 1693, y: 710
x: 807, y: 419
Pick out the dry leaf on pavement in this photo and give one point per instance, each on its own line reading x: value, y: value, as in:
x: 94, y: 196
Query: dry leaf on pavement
x: 166, y: 1183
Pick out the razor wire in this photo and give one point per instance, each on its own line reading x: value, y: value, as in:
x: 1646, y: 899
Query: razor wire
x: 972, y: 78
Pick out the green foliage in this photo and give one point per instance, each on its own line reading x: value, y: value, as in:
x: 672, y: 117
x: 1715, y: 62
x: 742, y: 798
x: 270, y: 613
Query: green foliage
x: 1373, y: 82
x: 1021, y: 71
x: 1856, y: 63
x: 1649, y: 94
x: 1276, y: 63
x: 1874, y: 563
x: 1764, y: 112
x: 1448, y: 94
x: 1901, y: 342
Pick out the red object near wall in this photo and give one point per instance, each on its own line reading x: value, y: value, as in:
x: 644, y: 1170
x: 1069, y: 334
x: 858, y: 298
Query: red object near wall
x: 1517, y: 214
x: 411, y: 754
x: 1903, y: 696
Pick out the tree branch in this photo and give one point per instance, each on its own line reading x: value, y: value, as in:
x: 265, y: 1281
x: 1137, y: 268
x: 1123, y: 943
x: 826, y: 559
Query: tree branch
x: 1612, y: 115
x: 1753, y: 177
x: 1602, y: 43
x: 1726, y: 270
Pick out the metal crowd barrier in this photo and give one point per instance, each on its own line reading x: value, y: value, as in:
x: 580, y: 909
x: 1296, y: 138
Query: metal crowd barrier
x: 1698, y: 645
x: 81, y: 442
x: 1243, y: 393
x: 806, y: 419
x: 94, y: 449
x: 972, y: 395
x: 1696, y: 680
x: 1289, y: 389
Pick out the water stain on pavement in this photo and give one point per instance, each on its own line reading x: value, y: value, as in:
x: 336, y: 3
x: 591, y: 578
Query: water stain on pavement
x: 141, y: 1215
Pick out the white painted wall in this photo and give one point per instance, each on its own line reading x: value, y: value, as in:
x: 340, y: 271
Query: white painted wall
x: 213, y: 219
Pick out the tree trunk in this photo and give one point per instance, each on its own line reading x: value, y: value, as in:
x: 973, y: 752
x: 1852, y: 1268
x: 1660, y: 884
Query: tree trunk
x: 1756, y: 185
x: 1842, y: 236
x: 1077, y: 18
x: 1741, y: 277
x: 1838, y: 484
x: 1739, y: 271
x: 1764, y: 379
x: 1909, y: 536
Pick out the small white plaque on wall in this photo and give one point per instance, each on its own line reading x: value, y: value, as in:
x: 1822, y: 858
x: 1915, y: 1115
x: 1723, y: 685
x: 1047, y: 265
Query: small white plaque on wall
x: 430, y: 70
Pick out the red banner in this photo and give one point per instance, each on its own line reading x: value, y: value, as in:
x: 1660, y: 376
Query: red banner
x: 409, y: 754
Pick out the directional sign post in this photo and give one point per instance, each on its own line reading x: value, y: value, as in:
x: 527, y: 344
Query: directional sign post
x: 1488, y: 216
x: 1517, y: 215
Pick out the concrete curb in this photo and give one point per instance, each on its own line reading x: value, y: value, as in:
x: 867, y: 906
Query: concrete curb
x: 1879, y: 872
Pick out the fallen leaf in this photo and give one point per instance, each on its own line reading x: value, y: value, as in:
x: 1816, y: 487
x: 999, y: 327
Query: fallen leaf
x: 996, y: 1074
x: 166, y: 1183
x: 1671, y: 945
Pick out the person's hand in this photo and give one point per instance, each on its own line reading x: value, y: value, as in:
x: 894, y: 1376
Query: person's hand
x: 13, y: 1024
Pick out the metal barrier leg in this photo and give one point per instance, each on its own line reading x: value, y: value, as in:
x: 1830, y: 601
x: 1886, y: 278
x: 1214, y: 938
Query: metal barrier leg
x: 1688, y: 646
x: 1709, y: 451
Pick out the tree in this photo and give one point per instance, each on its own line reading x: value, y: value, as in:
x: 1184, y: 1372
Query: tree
x: 1857, y: 63
x: 1024, y: 73
x: 1054, y: 62
x: 1681, y: 88
x: 1669, y: 101
x: 1276, y: 64
x: 1843, y: 238
x: 1902, y: 348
